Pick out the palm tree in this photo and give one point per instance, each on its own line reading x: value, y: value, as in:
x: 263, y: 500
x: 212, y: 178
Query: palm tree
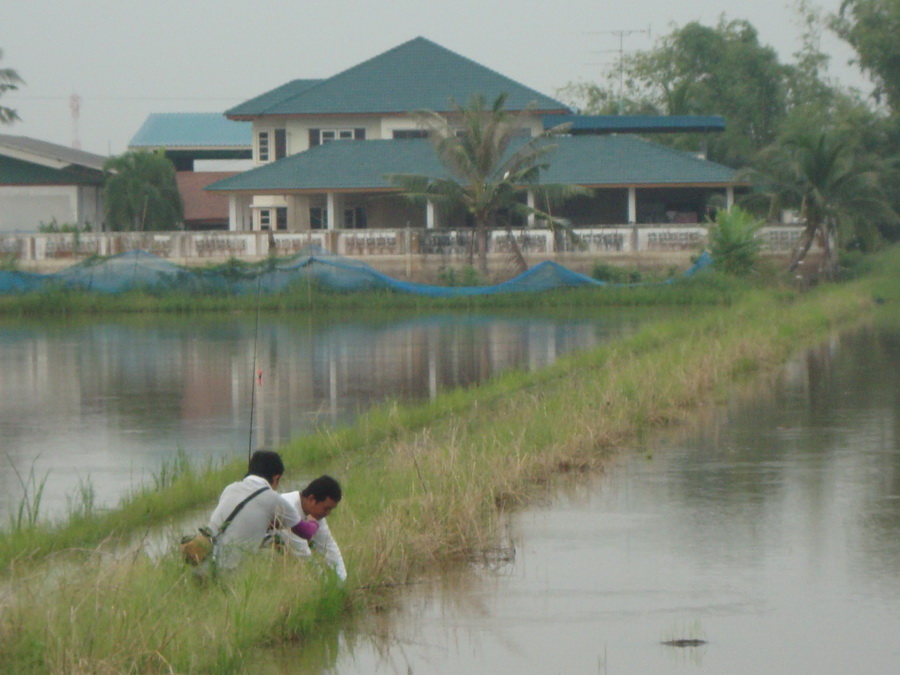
x: 490, y: 166
x: 9, y: 81
x: 836, y: 191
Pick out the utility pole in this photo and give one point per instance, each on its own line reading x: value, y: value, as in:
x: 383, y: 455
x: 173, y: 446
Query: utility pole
x: 622, y: 34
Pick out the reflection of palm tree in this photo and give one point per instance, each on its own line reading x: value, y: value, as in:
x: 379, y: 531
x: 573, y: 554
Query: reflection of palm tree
x: 489, y: 163
x: 836, y: 191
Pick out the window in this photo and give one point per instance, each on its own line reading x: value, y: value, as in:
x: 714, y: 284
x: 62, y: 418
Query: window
x: 318, y: 218
x: 320, y: 136
x: 263, y: 146
x: 265, y: 219
x: 281, y: 218
x: 280, y: 143
x: 355, y: 218
x: 410, y: 133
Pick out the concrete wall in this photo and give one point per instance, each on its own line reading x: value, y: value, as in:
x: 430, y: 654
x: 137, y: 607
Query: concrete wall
x: 23, y: 208
x: 408, y: 253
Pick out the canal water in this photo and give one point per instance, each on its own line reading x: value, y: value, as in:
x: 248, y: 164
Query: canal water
x: 766, y: 539
x: 102, y: 404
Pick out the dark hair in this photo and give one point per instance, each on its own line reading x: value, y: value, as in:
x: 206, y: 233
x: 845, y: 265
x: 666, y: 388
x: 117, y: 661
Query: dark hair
x: 266, y: 464
x: 322, y: 488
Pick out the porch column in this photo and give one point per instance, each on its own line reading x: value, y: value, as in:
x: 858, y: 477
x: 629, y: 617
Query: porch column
x: 429, y: 215
x: 729, y: 197
x: 530, y: 202
x: 235, y: 213
x: 632, y: 205
x: 332, y: 211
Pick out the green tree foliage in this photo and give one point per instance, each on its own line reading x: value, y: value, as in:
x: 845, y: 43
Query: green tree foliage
x: 837, y: 191
x: 140, y: 192
x: 733, y: 243
x: 490, y: 165
x: 872, y: 27
x: 9, y: 81
x: 699, y: 70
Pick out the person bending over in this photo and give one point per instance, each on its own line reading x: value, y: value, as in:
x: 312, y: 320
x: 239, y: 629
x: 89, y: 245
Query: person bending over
x: 315, y: 502
x: 263, y: 508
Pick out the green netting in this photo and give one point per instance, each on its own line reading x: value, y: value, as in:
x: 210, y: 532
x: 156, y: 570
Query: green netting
x: 311, y: 266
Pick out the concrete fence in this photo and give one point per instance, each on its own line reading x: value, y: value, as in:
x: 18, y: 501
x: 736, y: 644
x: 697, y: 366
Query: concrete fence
x: 58, y: 249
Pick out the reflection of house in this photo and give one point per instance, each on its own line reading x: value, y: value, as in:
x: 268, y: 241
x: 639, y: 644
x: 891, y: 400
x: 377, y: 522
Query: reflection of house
x: 322, y: 149
x: 42, y: 183
x: 186, y: 139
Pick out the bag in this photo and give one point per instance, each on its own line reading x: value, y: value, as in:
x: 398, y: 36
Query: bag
x: 195, y: 548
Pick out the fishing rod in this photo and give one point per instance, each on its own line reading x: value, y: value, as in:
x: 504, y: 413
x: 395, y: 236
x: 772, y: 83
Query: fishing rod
x: 254, y: 376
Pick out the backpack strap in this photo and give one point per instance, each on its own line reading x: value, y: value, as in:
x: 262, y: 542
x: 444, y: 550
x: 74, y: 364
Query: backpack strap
x: 237, y: 509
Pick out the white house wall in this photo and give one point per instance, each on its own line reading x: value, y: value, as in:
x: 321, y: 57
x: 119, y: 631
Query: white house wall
x: 25, y: 208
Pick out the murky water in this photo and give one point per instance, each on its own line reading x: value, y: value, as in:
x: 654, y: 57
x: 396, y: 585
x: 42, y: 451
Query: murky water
x: 771, y: 532
x: 105, y: 403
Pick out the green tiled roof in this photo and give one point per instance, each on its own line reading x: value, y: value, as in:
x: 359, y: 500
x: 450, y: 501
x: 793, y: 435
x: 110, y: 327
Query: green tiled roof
x: 578, y: 160
x: 258, y: 105
x: 628, y: 160
x: 192, y: 130
x: 416, y: 75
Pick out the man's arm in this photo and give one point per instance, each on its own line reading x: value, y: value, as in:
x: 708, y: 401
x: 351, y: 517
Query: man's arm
x: 324, y: 541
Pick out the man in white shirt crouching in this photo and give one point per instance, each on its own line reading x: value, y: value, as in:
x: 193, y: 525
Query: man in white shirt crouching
x: 314, y: 503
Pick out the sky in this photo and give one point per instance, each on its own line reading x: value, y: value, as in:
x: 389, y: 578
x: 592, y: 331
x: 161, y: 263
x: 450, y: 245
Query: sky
x: 128, y: 59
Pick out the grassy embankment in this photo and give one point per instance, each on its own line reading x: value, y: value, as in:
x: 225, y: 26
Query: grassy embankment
x: 425, y: 485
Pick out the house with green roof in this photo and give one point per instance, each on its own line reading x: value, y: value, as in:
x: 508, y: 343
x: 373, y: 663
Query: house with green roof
x: 322, y: 150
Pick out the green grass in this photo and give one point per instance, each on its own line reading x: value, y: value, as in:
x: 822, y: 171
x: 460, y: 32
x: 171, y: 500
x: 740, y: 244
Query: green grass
x: 424, y: 485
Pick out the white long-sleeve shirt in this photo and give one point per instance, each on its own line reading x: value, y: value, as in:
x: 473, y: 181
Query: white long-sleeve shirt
x: 249, y: 527
x: 322, y: 542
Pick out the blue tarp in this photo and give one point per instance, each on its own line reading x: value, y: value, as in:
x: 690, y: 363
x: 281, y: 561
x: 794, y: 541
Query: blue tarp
x: 313, y: 265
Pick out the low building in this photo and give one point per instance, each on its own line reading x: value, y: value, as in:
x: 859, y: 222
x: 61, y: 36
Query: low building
x: 44, y: 183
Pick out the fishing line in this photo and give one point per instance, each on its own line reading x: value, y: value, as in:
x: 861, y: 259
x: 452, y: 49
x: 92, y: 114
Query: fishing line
x: 253, y: 372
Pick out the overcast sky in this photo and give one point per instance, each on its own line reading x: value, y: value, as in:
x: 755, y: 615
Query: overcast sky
x: 126, y: 59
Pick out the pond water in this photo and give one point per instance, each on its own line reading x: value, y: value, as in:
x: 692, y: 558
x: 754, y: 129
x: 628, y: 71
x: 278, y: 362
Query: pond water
x: 103, y: 404
x: 771, y: 532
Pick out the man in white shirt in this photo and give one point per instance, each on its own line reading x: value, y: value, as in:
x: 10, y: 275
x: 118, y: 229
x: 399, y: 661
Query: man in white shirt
x: 315, y: 502
x: 262, y: 508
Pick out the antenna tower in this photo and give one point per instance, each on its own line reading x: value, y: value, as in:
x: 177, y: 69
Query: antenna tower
x: 622, y: 34
x: 75, y: 107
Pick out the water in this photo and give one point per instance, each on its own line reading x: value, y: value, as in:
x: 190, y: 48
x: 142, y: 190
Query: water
x: 104, y: 403
x: 771, y: 532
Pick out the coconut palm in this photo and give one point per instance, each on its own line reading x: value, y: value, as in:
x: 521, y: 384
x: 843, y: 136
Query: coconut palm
x: 836, y: 191
x: 490, y: 166
x: 9, y: 81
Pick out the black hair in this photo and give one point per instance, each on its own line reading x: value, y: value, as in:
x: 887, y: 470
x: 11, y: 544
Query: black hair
x: 265, y: 464
x: 322, y: 488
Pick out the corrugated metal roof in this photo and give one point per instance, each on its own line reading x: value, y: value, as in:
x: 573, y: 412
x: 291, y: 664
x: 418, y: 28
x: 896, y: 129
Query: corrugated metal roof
x: 192, y: 130
x: 607, y: 124
x: 416, y: 75
x: 50, y: 154
x: 577, y: 160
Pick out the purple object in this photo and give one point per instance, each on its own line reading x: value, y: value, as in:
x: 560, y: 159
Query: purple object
x: 306, y: 529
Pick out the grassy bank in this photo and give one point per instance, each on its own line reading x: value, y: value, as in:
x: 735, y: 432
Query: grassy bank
x: 424, y: 485
x: 707, y: 289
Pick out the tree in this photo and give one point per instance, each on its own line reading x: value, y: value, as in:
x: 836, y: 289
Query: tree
x: 837, y: 192
x: 699, y: 70
x: 733, y: 243
x: 490, y: 167
x: 871, y: 27
x: 140, y: 192
x: 9, y: 81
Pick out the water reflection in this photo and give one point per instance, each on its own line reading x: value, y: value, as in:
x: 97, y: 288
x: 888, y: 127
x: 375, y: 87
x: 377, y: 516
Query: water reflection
x: 107, y: 402
x: 771, y: 531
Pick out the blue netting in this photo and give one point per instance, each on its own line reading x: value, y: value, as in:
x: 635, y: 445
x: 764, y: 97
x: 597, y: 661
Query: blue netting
x: 311, y: 266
